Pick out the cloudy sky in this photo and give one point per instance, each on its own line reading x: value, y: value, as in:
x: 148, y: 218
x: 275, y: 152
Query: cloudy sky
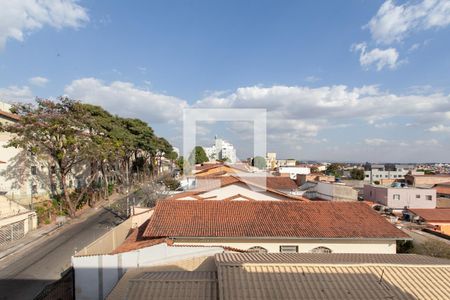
x: 357, y: 80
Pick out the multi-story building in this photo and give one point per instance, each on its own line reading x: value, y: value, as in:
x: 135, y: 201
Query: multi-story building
x: 399, y: 197
x: 378, y: 172
x: 271, y: 160
x: 221, y: 150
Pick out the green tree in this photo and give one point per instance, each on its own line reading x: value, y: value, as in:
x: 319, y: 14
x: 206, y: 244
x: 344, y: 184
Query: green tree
x: 357, y: 174
x: 259, y: 162
x: 199, y: 154
x: 56, y: 130
x: 335, y: 170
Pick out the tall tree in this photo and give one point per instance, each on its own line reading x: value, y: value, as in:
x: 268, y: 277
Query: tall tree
x: 57, y: 130
x: 198, y: 156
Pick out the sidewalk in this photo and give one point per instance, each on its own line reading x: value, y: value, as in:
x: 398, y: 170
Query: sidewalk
x: 33, y: 237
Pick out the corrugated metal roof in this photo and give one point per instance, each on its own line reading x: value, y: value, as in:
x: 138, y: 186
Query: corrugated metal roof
x: 332, y: 282
x: 329, y: 258
x: 173, y: 285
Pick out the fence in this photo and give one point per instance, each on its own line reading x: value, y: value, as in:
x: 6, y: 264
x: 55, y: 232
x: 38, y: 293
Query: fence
x: 62, y: 289
x: 12, y: 232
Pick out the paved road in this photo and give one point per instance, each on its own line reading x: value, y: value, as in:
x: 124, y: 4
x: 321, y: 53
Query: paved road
x: 23, y: 275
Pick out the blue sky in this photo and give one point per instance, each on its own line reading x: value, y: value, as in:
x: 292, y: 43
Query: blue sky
x: 341, y: 80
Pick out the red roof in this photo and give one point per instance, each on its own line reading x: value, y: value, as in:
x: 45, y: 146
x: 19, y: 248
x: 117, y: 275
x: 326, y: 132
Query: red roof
x: 10, y: 115
x: 443, y: 188
x: 292, y: 219
x: 433, y: 215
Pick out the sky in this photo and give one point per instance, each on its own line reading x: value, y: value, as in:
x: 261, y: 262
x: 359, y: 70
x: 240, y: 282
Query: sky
x: 356, y: 80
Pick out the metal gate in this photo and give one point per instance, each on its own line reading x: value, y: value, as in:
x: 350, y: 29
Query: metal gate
x: 11, y: 232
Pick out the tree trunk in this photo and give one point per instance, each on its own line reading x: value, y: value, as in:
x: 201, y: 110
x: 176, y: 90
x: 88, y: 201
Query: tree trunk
x: 70, y: 205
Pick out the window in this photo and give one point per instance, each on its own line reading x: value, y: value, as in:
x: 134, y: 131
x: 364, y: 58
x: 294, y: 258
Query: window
x: 53, y: 169
x: 33, y: 170
x: 34, y: 189
x: 257, y: 249
x: 288, y: 249
x: 417, y: 196
x: 429, y: 197
x: 396, y: 196
x: 367, y: 176
x: 321, y: 250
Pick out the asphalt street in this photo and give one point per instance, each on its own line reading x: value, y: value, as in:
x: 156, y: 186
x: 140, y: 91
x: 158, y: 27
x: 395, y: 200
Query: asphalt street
x: 25, y: 273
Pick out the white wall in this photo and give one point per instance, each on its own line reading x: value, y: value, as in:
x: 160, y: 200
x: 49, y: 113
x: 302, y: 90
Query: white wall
x: 243, y: 189
x: 96, y: 275
x: 304, y: 245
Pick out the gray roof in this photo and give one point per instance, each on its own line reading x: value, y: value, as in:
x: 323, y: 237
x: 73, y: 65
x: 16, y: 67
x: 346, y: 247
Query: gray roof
x: 329, y: 258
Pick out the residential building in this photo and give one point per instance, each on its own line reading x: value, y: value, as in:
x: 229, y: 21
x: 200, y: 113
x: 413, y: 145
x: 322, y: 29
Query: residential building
x: 234, y: 187
x: 398, y: 197
x: 331, y: 191
x: 274, y: 226
x: 438, y: 218
x: 292, y: 172
x: 442, y: 195
x: 271, y: 160
x: 100, y: 265
x: 303, y: 178
x: 290, y: 162
x: 15, y: 220
x: 428, y: 180
x: 221, y: 150
x: 27, y: 178
x: 378, y: 172
x: 229, y: 276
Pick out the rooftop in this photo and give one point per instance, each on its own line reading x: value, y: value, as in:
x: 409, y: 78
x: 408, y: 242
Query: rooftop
x: 288, y: 219
x: 290, y: 276
x: 433, y: 215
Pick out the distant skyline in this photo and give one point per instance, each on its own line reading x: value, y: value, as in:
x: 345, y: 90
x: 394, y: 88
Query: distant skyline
x: 358, y: 80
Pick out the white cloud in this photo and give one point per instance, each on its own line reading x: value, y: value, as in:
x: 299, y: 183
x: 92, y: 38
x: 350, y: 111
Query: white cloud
x: 393, y: 23
x: 380, y: 58
x: 312, y: 79
x: 126, y: 99
x: 375, y: 142
x: 20, y: 17
x: 439, y: 128
x: 15, y: 94
x: 430, y: 142
x: 38, y: 81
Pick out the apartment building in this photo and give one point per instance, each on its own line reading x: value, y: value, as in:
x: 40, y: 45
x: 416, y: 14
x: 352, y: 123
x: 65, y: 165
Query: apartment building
x: 221, y: 150
x: 378, y: 172
x: 398, y: 197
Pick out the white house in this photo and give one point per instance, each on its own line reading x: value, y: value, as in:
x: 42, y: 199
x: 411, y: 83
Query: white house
x: 293, y: 171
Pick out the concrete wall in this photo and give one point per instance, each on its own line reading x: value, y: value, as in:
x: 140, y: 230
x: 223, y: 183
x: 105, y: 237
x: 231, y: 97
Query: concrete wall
x: 304, y: 245
x: 113, y: 238
x: 96, y: 275
x: 29, y: 218
x: 335, y: 192
x: 409, y: 197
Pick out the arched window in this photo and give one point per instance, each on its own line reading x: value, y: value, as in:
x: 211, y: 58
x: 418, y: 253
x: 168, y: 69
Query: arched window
x: 257, y: 249
x: 321, y: 250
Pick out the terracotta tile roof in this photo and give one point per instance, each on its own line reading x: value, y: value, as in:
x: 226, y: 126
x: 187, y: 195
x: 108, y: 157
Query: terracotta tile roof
x: 10, y: 115
x: 443, y: 188
x: 293, y: 219
x: 136, y: 241
x: 433, y: 215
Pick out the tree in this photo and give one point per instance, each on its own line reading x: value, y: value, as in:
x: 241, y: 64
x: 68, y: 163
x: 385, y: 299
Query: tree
x: 200, y: 156
x: 335, y: 170
x: 357, y: 174
x: 259, y: 162
x: 57, y: 130
x: 314, y: 169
